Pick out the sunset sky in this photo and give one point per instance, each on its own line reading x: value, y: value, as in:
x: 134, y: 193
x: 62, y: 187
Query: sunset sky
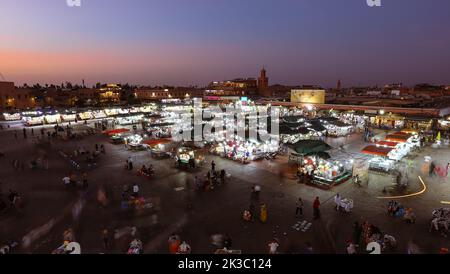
x: 193, y: 42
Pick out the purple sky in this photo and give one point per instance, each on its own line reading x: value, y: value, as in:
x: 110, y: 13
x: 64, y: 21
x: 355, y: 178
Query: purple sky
x: 184, y: 42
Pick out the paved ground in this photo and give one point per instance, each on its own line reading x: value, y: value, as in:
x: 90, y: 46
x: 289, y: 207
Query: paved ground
x: 47, y: 201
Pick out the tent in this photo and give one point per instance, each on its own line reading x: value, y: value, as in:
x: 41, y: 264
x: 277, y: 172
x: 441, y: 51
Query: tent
x: 285, y: 129
x: 386, y: 144
x: 320, y: 154
x: 377, y: 150
x: 310, y: 146
x: 316, y: 125
x: 116, y: 131
x: 293, y: 119
x: 397, y: 138
x: 154, y: 142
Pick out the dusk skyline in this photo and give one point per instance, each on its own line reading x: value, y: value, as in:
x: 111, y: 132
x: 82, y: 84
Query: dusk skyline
x: 197, y: 41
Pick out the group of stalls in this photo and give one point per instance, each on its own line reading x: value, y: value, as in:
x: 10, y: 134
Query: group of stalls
x: 317, y: 165
x: 295, y: 128
x: 245, y: 150
x: 123, y: 116
x: 394, y: 148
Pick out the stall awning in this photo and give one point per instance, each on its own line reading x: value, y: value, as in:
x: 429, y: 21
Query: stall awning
x: 374, y: 150
x: 401, y: 133
x: 154, y: 142
x: 399, y: 138
x: 116, y: 131
x: 310, y: 146
x: 386, y: 143
x: 285, y: 129
x: 320, y: 154
x: 316, y: 125
x: 293, y: 119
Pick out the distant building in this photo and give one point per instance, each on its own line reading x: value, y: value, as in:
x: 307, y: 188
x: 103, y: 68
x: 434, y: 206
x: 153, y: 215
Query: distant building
x: 12, y: 98
x: 338, y: 85
x: 308, y: 95
x: 239, y: 83
x: 110, y: 93
x: 149, y: 94
x: 263, y: 84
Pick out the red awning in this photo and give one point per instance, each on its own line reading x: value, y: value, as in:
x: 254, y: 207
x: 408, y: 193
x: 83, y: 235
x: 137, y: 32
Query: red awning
x: 154, y: 142
x: 374, y: 150
x: 386, y: 143
x: 116, y: 131
x: 397, y: 138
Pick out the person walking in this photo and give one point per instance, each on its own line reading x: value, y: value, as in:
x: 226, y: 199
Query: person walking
x: 227, y: 242
x: 213, y: 167
x: 316, y: 210
x: 130, y: 163
x: 174, y: 243
x: 357, y: 231
x: 84, y: 182
x: 135, y: 190
x: 273, y: 246
x: 105, y: 239
x: 222, y: 176
x: 263, y: 214
x: 299, y: 207
x: 351, y: 247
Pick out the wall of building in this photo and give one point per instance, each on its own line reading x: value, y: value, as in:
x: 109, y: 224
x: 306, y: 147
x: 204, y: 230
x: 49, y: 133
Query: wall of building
x: 157, y: 94
x: 15, y: 98
x: 308, y: 96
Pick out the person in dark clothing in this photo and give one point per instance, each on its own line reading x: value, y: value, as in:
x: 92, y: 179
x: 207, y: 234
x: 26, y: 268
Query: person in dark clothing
x: 357, y: 231
x: 222, y: 176
x: 227, y: 242
x: 213, y: 166
x: 12, y: 195
x: 24, y: 133
x: 432, y: 166
x: 105, y: 239
x: 299, y: 207
x: 316, y: 210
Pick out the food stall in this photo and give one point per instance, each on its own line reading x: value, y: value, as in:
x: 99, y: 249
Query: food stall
x: 11, y: 116
x: 159, y: 148
x: 148, y: 109
x: 69, y: 116
x: 117, y: 136
x: 381, y: 161
x: 32, y: 118
x: 245, y: 150
x: 86, y: 115
x: 329, y: 173
x: 134, y: 142
x: 99, y: 114
x: 111, y: 112
x: 336, y: 128
x: 123, y: 111
x: 292, y: 133
x: 188, y: 157
x: 52, y: 118
x: 129, y: 120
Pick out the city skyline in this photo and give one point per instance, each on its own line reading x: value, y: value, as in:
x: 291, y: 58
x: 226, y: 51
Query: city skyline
x: 196, y: 42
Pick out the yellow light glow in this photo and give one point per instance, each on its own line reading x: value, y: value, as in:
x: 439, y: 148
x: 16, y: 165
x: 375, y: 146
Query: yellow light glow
x: 408, y: 195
